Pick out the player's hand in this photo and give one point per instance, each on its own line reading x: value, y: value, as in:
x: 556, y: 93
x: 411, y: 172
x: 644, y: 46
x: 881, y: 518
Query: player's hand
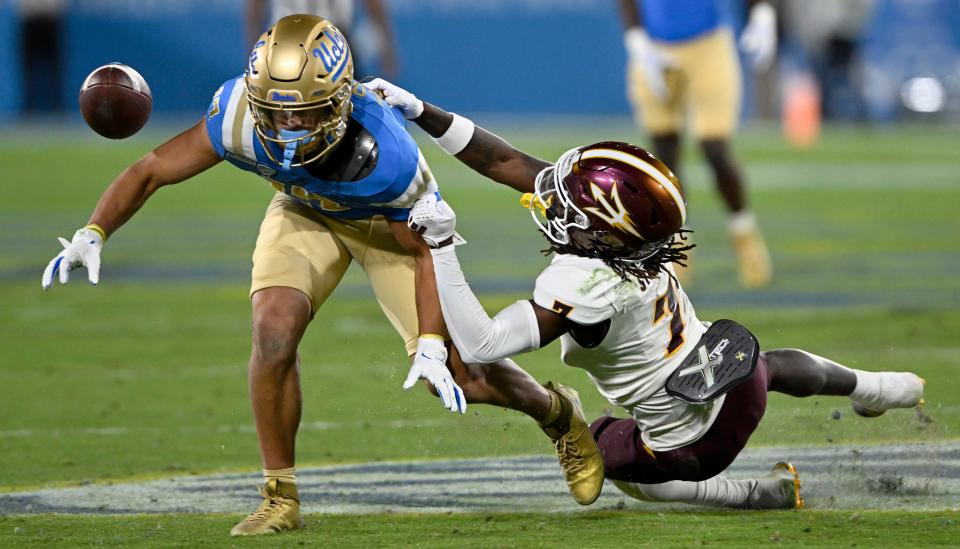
x: 430, y: 363
x: 759, y: 37
x: 395, y: 96
x: 433, y: 219
x: 82, y: 251
x: 642, y: 53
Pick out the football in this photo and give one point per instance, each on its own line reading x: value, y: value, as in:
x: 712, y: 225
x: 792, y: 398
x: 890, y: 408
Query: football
x: 115, y: 101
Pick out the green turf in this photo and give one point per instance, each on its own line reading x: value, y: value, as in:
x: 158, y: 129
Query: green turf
x: 165, y: 391
x: 872, y: 529
x: 143, y: 376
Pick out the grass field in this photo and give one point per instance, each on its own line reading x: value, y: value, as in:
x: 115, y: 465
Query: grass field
x: 143, y: 376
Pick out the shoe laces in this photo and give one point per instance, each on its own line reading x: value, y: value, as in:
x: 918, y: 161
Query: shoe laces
x: 269, y: 507
x: 569, y: 453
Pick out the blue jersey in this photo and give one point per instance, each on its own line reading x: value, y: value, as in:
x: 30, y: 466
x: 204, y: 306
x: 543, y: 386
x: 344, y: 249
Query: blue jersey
x: 398, y: 179
x: 681, y: 20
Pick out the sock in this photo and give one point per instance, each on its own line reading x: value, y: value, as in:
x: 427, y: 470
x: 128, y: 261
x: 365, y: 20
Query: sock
x: 288, y: 475
x: 554, y: 412
x: 868, y: 386
x: 718, y: 490
x: 557, y: 421
x: 741, y: 222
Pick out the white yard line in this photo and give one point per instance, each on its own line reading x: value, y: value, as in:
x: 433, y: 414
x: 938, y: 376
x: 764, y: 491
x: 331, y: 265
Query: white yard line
x: 915, y: 476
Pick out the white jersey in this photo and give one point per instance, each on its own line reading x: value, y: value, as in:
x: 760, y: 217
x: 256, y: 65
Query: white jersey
x: 651, y: 331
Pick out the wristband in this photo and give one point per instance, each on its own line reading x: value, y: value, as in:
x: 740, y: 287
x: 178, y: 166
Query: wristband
x: 432, y: 336
x: 97, y: 229
x: 457, y: 136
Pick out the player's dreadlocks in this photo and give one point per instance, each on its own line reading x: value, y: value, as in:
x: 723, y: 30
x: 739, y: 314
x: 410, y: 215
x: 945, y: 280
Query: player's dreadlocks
x: 644, y: 270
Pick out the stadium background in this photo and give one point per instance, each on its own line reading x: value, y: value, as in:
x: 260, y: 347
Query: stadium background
x: 143, y: 376
x: 495, y: 56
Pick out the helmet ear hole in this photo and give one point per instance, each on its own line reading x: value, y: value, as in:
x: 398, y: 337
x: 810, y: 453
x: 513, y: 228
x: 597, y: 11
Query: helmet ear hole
x: 654, y: 216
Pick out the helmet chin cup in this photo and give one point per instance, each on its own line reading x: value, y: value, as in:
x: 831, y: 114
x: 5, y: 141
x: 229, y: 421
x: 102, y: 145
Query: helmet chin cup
x: 295, y: 139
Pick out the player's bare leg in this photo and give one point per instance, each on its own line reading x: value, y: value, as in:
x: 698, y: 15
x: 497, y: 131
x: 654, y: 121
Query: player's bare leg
x: 799, y: 373
x: 666, y: 147
x: 280, y: 316
x: 752, y: 255
x: 555, y: 408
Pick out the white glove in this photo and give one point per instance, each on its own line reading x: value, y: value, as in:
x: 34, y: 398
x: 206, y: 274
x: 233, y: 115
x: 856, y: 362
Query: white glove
x: 433, y: 219
x: 83, y: 251
x: 430, y: 363
x: 650, y: 58
x: 759, y: 37
x: 395, y: 96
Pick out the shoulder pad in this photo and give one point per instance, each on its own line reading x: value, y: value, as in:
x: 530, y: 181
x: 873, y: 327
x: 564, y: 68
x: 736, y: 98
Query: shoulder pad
x: 578, y: 289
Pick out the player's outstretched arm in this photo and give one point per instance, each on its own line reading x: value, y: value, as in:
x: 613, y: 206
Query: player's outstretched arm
x: 518, y: 328
x: 180, y: 158
x: 486, y: 153
x: 481, y: 150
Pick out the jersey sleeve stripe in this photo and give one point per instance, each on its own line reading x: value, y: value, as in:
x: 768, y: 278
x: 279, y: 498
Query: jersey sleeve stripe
x: 231, y: 131
x: 421, y: 185
x: 646, y: 168
x: 246, y: 134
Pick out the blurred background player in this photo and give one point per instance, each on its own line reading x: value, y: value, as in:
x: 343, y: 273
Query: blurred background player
x: 682, y: 57
x: 613, y: 216
x: 42, y: 54
x: 372, y: 40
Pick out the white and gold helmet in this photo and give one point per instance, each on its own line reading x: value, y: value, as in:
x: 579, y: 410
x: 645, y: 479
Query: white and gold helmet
x: 300, y: 75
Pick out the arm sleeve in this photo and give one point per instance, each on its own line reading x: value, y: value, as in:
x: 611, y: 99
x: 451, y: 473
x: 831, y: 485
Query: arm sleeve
x: 479, y: 338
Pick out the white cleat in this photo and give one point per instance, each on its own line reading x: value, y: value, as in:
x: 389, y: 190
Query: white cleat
x: 896, y: 390
x: 780, y: 489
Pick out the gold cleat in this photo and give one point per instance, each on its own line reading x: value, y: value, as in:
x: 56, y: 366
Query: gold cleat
x: 579, y: 456
x: 753, y: 259
x: 279, y: 511
x: 792, y: 482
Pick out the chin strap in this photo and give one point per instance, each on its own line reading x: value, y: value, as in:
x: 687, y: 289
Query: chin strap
x: 290, y: 149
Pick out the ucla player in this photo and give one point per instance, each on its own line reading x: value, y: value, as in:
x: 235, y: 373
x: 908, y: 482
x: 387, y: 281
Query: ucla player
x: 346, y: 174
x: 613, y: 214
x: 682, y: 58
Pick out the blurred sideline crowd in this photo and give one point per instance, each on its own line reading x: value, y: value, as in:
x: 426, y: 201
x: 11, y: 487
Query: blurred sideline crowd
x: 852, y: 60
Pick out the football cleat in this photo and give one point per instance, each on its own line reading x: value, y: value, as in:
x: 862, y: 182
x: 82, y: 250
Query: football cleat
x: 897, y: 390
x: 753, y: 259
x: 579, y: 456
x: 780, y: 489
x: 279, y: 511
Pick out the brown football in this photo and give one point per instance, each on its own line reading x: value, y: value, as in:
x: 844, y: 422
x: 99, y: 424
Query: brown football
x: 115, y: 101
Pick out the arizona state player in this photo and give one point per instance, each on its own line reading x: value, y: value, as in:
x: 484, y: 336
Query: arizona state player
x: 613, y: 215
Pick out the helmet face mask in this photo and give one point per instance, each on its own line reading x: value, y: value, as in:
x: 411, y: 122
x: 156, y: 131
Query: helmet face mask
x: 611, y: 201
x: 551, y: 207
x: 299, y: 83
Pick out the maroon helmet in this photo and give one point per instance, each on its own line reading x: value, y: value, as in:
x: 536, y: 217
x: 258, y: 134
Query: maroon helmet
x: 609, y: 199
